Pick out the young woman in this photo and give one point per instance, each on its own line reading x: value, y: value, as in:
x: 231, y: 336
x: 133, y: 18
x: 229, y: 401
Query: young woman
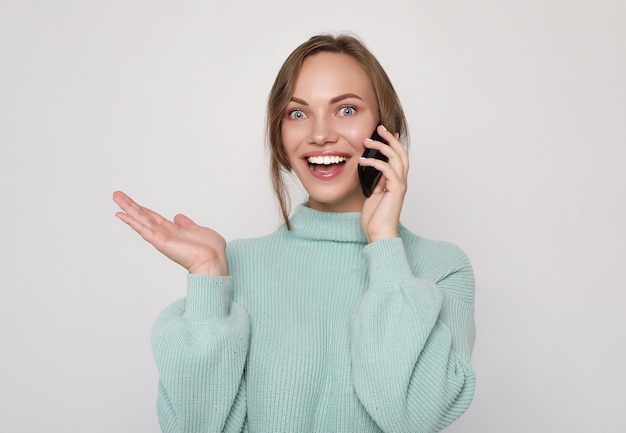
x: 340, y: 321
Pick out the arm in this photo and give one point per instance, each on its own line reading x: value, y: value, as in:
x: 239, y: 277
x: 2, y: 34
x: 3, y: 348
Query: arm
x: 200, y: 346
x: 411, y: 340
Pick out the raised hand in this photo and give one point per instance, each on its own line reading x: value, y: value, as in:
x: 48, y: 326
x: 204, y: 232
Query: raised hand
x: 381, y: 211
x: 198, y: 249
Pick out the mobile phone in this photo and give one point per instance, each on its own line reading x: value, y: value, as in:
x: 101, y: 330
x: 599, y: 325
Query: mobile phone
x: 369, y: 176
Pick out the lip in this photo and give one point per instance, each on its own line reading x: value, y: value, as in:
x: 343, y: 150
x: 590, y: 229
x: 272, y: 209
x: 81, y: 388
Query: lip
x: 326, y: 175
x: 326, y: 153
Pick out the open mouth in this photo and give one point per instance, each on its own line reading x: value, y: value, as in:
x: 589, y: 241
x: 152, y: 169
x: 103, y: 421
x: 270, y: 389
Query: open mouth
x: 326, y: 163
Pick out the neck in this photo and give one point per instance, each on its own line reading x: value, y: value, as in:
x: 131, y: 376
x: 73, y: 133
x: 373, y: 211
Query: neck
x: 352, y: 204
x: 310, y: 223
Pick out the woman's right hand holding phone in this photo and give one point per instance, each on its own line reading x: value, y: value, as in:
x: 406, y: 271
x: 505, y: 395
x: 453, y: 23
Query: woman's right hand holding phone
x: 198, y: 249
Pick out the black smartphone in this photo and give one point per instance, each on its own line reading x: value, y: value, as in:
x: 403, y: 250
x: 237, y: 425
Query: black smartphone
x: 369, y: 176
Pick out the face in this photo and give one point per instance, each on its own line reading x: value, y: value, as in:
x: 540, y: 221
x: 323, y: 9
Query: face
x: 332, y: 111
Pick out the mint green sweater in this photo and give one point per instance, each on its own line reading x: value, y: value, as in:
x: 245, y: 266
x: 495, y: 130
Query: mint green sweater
x: 315, y: 330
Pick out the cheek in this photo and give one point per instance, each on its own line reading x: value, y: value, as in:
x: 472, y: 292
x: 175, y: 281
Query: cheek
x: 357, y: 135
x: 289, y: 140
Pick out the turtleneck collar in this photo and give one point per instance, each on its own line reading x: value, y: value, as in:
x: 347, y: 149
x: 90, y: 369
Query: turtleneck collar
x: 330, y: 226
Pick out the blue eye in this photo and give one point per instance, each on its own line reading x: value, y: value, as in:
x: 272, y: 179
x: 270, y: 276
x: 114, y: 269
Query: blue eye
x: 348, y: 110
x: 296, y: 114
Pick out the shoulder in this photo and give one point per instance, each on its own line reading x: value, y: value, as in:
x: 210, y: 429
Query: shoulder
x: 437, y: 250
x: 245, y: 246
x: 434, y: 259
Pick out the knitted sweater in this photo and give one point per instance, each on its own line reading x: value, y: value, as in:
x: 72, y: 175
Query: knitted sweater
x: 315, y: 330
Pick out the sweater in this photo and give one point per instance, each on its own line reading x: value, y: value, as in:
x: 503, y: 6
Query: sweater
x: 315, y: 330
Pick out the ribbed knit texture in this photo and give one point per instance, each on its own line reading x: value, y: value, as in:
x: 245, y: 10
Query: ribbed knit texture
x: 317, y: 331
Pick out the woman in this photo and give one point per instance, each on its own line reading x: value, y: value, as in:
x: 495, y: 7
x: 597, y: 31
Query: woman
x: 341, y: 320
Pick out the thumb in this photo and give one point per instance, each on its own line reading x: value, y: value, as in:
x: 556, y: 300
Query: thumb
x: 183, y: 221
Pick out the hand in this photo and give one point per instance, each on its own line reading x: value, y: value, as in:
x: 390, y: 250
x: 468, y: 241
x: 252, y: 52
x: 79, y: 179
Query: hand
x: 198, y: 249
x: 380, y: 216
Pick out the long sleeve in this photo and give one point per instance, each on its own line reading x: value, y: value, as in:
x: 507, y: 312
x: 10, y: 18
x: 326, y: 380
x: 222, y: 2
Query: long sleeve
x: 412, y: 337
x: 200, y: 345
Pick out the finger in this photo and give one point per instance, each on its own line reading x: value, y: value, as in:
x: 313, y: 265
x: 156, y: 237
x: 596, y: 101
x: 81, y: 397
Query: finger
x: 137, y: 226
x: 395, y: 160
x: 130, y: 208
x: 142, y: 214
x: 391, y: 180
x: 385, y: 149
x: 391, y: 138
x: 120, y: 199
x: 389, y: 173
x: 395, y: 144
x: 127, y: 204
x: 380, y: 186
x: 184, y: 221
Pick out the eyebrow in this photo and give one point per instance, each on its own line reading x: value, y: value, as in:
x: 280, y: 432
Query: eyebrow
x: 332, y: 101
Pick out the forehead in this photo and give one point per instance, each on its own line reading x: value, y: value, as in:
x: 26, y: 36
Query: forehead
x: 332, y: 72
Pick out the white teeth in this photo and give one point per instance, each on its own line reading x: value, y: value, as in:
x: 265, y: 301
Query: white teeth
x: 325, y: 160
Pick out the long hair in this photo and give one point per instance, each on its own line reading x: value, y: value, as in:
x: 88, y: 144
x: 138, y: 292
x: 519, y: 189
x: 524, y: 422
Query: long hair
x: 390, y: 113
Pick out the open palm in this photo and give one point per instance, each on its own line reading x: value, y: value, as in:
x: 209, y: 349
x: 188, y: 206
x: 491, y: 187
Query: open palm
x: 198, y: 249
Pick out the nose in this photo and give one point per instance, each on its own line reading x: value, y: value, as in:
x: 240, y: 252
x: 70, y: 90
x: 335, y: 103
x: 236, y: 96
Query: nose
x: 322, y: 132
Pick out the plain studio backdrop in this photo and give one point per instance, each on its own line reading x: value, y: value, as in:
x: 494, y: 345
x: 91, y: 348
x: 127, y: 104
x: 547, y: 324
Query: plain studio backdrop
x: 517, y: 113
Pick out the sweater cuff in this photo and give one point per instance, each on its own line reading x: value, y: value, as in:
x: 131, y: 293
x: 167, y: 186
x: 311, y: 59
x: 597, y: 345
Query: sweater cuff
x: 208, y: 297
x: 388, y: 263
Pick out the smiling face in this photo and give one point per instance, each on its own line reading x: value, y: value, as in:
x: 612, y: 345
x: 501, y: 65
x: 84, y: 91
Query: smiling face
x: 332, y: 111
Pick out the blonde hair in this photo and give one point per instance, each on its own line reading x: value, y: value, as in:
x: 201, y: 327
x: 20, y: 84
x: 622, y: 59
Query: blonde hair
x: 391, y: 113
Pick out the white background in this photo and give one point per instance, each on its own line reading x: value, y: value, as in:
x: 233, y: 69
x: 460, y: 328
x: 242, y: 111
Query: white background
x: 517, y: 114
